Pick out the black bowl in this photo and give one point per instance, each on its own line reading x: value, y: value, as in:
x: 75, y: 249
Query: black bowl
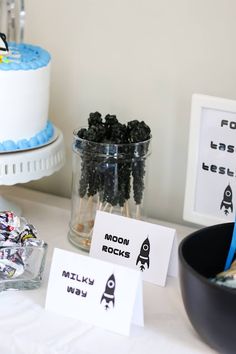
x: 211, y: 308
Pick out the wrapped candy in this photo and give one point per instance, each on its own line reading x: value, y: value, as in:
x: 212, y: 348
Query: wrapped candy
x: 15, y: 235
x: 227, y: 277
x: 11, y: 263
x: 9, y: 223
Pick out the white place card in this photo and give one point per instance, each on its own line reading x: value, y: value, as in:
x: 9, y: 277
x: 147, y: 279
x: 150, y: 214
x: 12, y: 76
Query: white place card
x: 94, y: 291
x: 135, y: 244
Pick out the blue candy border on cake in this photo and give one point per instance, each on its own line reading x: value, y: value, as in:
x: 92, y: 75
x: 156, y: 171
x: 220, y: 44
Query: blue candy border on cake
x: 39, y: 139
x: 32, y: 57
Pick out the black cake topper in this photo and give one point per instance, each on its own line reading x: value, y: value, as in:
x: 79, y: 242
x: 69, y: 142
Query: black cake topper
x: 3, y: 44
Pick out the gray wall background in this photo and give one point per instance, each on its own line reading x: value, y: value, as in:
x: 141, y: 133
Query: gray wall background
x: 140, y: 60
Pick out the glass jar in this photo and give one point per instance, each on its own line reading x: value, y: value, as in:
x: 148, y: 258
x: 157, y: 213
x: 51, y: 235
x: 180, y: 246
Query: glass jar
x: 106, y: 177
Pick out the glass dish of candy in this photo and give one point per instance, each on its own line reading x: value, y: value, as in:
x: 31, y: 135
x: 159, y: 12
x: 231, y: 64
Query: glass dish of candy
x: 22, y: 254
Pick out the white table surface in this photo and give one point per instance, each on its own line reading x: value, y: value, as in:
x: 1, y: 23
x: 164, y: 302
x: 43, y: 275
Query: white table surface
x: 26, y: 327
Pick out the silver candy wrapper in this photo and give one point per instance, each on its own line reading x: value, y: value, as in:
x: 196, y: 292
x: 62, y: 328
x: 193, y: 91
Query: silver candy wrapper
x: 15, y: 235
x: 10, y: 267
x: 228, y: 277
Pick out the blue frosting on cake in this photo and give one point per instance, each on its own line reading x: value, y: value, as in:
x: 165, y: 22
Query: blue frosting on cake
x: 39, y: 139
x: 25, y: 57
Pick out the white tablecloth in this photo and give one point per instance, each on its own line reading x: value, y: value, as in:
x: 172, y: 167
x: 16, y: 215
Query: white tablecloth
x: 26, y: 327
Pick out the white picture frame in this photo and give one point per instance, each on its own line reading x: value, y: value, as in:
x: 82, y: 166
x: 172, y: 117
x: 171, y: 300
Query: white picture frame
x: 211, y: 164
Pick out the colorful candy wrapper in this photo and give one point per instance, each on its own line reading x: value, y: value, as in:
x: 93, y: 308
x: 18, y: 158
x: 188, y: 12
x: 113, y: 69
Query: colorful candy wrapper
x: 227, y: 277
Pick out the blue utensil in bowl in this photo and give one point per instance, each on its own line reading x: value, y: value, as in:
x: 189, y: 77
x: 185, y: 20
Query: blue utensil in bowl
x: 211, y: 308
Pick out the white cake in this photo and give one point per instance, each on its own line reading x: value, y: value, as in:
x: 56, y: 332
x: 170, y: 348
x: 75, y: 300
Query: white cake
x: 24, y: 97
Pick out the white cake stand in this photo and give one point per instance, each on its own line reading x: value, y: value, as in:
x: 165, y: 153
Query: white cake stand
x: 29, y: 165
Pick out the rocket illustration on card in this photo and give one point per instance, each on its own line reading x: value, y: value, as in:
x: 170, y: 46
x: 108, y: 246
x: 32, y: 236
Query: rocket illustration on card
x: 227, y: 203
x: 108, y: 297
x: 143, y: 258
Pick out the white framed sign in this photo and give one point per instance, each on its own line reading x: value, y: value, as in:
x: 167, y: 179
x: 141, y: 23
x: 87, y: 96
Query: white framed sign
x: 210, y: 194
